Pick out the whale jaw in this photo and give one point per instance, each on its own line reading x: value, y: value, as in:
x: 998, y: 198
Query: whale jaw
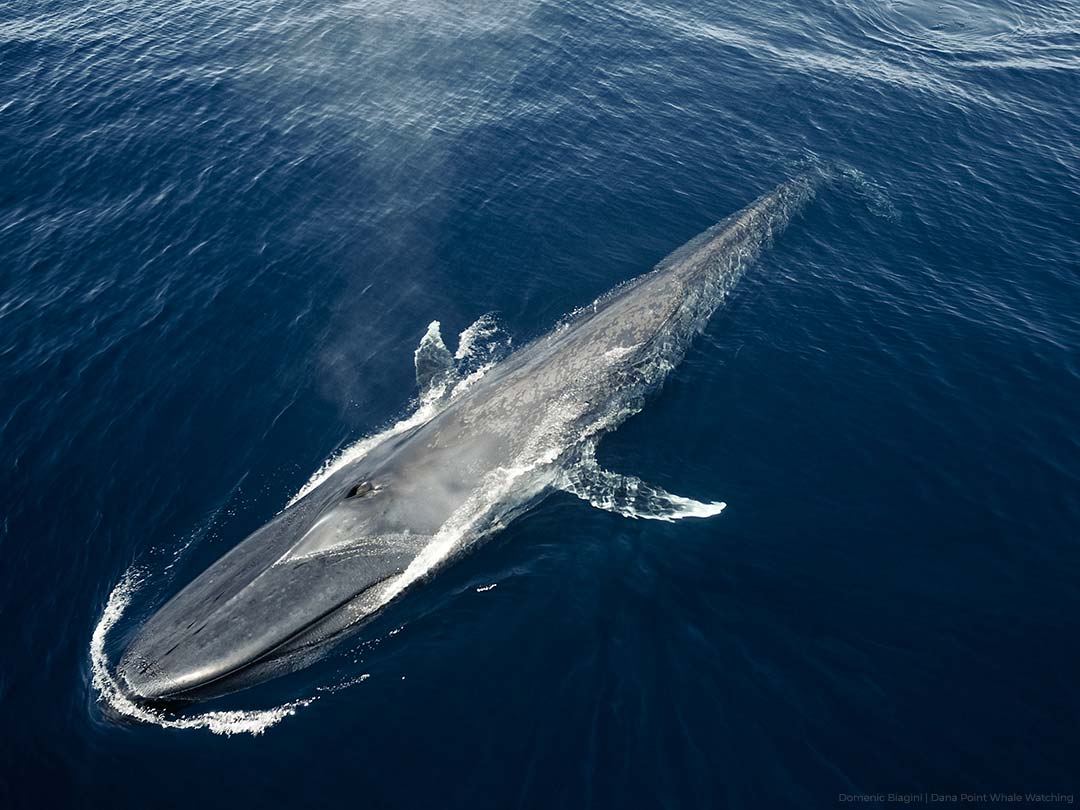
x: 231, y: 622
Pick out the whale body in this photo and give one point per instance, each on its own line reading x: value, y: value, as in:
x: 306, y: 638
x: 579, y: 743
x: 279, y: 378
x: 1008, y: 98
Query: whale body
x: 489, y: 451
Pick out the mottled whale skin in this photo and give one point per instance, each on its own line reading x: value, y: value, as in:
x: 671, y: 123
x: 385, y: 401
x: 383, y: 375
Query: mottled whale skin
x: 525, y: 429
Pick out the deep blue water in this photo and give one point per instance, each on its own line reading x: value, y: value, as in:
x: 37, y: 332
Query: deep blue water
x: 224, y: 227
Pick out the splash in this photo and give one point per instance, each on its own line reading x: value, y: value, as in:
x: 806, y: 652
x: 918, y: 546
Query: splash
x: 110, y: 692
x: 482, y: 339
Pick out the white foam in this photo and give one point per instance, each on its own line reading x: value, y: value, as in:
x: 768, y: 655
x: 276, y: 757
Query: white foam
x: 689, y: 508
x: 481, y: 331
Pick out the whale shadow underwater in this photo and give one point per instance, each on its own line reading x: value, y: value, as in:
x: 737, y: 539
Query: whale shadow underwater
x: 485, y: 450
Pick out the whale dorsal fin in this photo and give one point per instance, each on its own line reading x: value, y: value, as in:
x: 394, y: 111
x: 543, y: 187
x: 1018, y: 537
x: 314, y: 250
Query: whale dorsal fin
x: 435, y: 369
x: 628, y: 495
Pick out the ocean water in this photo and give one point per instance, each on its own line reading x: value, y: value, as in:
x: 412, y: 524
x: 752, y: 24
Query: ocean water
x: 224, y: 229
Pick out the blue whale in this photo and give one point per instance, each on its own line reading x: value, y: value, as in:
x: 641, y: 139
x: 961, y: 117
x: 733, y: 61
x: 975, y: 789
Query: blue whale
x: 488, y: 450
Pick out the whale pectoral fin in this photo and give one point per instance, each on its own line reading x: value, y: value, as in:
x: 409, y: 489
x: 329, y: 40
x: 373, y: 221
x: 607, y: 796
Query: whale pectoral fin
x: 435, y: 369
x: 629, y: 496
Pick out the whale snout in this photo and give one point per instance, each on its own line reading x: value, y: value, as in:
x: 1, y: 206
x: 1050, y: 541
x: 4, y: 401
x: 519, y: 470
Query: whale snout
x: 236, y: 617
x: 172, y: 660
x: 153, y: 680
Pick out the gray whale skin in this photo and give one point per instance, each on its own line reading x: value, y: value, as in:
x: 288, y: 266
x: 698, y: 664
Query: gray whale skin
x: 491, y: 450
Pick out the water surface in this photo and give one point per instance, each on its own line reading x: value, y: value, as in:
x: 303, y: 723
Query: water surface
x: 224, y: 228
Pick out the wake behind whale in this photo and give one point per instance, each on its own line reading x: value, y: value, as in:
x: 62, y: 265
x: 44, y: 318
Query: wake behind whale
x: 481, y: 449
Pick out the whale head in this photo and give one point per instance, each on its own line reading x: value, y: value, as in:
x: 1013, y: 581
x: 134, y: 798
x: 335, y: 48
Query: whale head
x: 318, y: 564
